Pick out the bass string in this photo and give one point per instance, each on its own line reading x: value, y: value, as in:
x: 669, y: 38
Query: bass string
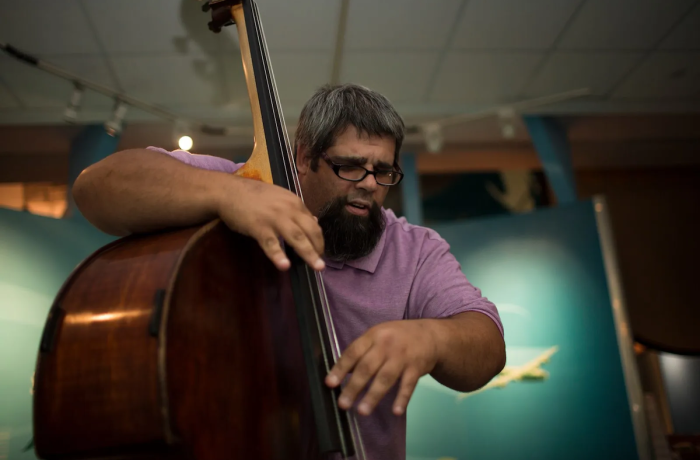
x: 269, y: 80
x: 352, y: 418
x: 291, y: 171
x: 280, y: 126
x: 323, y: 296
x: 325, y: 304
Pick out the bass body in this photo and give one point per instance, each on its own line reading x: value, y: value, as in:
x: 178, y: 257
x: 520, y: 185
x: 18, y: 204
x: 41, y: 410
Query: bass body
x: 179, y: 344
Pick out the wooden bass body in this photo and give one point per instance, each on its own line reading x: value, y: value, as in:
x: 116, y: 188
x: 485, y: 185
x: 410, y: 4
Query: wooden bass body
x: 179, y: 344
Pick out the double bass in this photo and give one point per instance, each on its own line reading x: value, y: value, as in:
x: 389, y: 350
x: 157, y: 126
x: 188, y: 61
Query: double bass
x: 189, y: 343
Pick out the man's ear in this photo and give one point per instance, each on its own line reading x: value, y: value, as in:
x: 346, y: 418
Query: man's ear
x: 303, y: 161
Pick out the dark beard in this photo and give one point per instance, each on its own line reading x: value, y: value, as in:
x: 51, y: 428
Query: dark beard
x: 347, y: 236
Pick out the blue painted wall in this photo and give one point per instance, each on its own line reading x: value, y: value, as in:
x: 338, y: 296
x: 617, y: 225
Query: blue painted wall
x: 545, y: 272
x: 37, y: 254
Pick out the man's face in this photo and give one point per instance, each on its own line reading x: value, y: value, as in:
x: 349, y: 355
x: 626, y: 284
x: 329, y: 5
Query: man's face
x: 348, y: 212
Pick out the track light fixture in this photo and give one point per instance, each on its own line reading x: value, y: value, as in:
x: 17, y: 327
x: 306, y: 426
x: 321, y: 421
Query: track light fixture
x: 70, y: 114
x: 433, y: 137
x: 114, y: 125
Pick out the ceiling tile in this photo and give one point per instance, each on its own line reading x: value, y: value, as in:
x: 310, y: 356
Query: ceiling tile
x: 687, y: 34
x: 172, y: 81
x: 299, y: 75
x: 396, y: 24
x: 153, y: 26
x: 565, y: 71
x: 623, y: 24
x: 183, y: 30
x: 479, y: 77
x: 40, y: 89
x: 513, y: 24
x: 93, y: 68
x: 664, y: 75
x: 299, y: 25
x: 47, y: 27
x: 400, y: 76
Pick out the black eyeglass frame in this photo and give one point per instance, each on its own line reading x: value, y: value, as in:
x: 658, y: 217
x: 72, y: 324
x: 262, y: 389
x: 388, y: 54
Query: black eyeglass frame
x: 336, y: 169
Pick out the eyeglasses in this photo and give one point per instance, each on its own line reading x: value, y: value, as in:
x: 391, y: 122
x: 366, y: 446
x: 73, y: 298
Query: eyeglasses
x: 354, y: 173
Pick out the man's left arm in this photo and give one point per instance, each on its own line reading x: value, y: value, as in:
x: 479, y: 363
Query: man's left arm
x: 462, y: 352
x: 470, y: 350
x: 452, y: 333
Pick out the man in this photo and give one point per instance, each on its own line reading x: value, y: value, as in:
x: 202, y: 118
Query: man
x: 401, y: 304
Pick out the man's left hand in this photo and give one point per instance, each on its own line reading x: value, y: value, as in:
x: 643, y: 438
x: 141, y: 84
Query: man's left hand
x: 405, y: 350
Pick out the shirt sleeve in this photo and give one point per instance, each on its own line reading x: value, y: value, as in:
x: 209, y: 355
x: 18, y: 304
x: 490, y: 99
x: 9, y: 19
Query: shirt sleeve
x: 440, y: 289
x: 208, y: 162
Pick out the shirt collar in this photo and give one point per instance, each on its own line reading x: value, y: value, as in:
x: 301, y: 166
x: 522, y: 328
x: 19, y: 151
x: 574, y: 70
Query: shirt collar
x: 367, y: 263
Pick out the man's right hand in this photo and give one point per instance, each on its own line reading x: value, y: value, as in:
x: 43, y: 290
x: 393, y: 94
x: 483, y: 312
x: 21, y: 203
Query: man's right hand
x: 267, y: 213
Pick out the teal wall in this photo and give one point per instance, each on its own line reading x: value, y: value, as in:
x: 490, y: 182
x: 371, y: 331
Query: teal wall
x: 545, y: 272
x: 37, y: 254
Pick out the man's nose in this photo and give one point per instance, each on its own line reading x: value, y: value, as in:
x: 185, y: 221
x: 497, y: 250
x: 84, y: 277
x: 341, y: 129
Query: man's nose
x: 368, y: 183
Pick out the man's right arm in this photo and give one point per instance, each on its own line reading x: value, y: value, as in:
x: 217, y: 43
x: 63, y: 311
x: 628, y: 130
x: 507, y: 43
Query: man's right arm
x: 140, y: 190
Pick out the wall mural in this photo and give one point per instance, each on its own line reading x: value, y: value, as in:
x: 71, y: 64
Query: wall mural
x: 563, y: 392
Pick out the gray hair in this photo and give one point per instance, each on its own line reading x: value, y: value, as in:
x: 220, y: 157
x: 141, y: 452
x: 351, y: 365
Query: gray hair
x: 335, y: 107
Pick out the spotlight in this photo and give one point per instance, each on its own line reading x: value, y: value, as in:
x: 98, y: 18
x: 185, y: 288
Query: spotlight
x: 181, y: 135
x: 185, y: 142
x: 114, y: 125
x: 70, y: 114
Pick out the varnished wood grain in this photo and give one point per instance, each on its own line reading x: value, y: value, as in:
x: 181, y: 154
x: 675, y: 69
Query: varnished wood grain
x: 98, y: 388
x: 233, y: 355
x: 234, y: 384
x: 258, y: 165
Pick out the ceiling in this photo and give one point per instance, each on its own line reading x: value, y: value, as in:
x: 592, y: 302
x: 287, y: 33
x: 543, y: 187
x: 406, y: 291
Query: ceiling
x: 431, y: 59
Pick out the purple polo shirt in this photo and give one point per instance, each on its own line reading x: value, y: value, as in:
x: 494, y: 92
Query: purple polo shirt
x: 411, y: 274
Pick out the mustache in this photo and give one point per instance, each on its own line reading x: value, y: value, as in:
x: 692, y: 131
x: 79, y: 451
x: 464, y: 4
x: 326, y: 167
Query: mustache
x: 360, y: 196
